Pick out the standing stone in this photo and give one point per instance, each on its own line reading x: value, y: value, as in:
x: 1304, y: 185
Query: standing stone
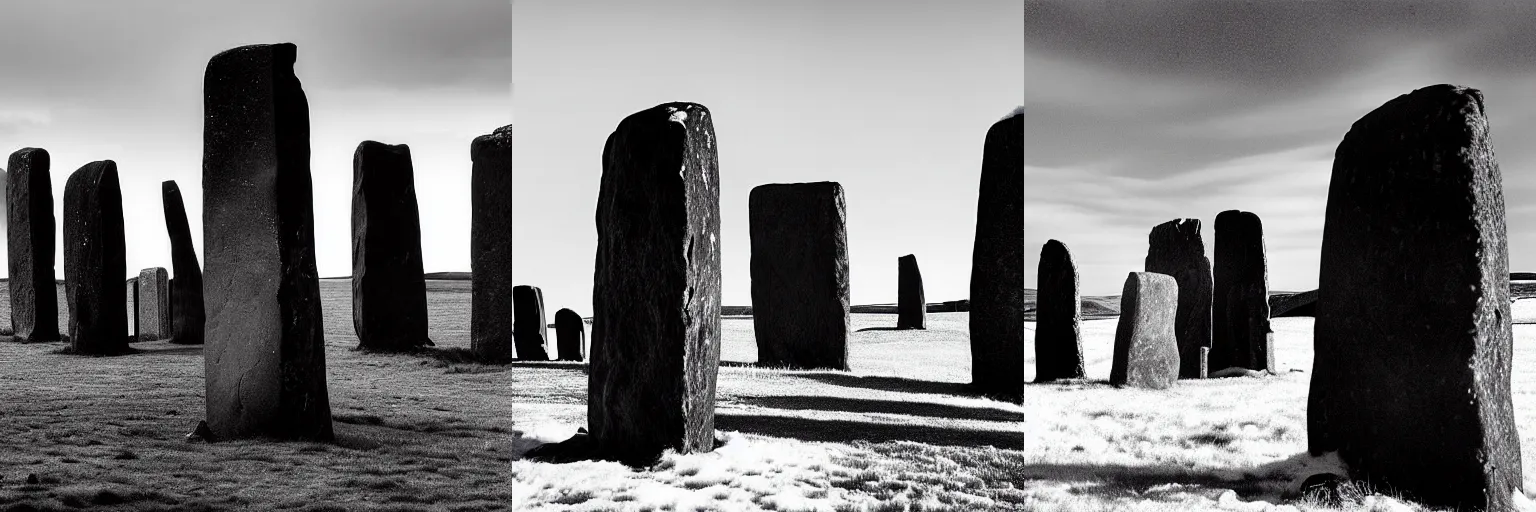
x: 152, y: 300
x: 1411, y: 378
x: 997, y: 265
x: 265, y: 355
x: 490, y: 246
x: 186, y: 288
x: 133, y: 309
x: 530, y: 332
x: 1058, y: 317
x: 1146, y: 348
x: 1240, y: 310
x: 571, y: 333
x: 1176, y: 249
x: 800, y: 275
x: 389, y: 290
x: 29, y: 236
x: 95, y: 259
x: 911, y: 304
x: 656, y: 294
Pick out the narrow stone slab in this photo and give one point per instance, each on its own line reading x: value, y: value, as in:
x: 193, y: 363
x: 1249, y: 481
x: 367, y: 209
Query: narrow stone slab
x: 1175, y: 248
x: 530, y: 332
x: 1240, y: 306
x: 571, y: 336
x: 1146, y: 348
x: 1058, y: 318
x: 30, y: 240
x: 656, y: 294
x: 95, y: 259
x: 186, y: 293
x: 1411, y: 377
x: 997, y: 265
x: 265, y: 355
x: 911, y: 303
x: 800, y: 275
x: 389, y: 290
x: 490, y: 246
x: 152, y: 292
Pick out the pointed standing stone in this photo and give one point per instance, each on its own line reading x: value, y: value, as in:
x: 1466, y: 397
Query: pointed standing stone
x: 800, y: 275
x: 95, y: 260
x: 265, y: 354
x: 1176, y: 249
x: 389, y: 290
x: 911, y: 304
x: 1240, y: 309
x: 656, y: 294
x: 1059, y: 311
x: 490, y: 246
x: 152, y: 301
x: 1146, y: 349
x: 530, y: 332
x: 186, y: 289
x: 571, y: 333
x: 29, y: 236
x: 1411, y: 378
x: 997, y: 265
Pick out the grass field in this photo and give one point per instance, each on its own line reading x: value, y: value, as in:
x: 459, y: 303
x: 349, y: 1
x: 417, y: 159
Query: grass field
x: 426, y: 432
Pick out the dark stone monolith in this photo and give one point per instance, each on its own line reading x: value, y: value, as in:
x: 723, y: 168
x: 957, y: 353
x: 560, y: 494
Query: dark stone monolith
x: 997, y: 265
x: 1146, y: 348
x: 911, y: 303
x: 530, y: 331
x: 1058, y: 317
x: 29, y: 238
x: 570, y: 336
x: 656, y: 295
x: 800, y: 275
x: 1411, y: 377
x: 265, y: 354
x: 1175, y: 248
x: 389, y: 290
x: 95, y: 260
x: 490, y: 246
x: 1240, y: 293
x: 152, y: 320
x: 186, y: 289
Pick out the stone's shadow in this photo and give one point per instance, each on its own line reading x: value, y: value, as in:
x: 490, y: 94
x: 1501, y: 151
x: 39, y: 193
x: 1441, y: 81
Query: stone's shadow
x: 897, y: 384
x: 178, y: 351
x: 460, y: 355
x: 859, y: 405
x: 1165, y: 484
x: 890, y: 329
x: 845, y: 431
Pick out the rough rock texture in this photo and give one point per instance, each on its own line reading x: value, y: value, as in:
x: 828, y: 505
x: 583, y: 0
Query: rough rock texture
x: 656, y: 294
x: 265, y: 354
x: 1176, y: 249
x: 1058, y: 318
x: 571, y: 333
x: 911, y: 302
x: 1411, y: 378
x: 95, y: 260
x: 1146, y: 348
x: 186, y: 289
x: 152, y: 300
x: 490, y: 246
x: 1240, y: 293
x: 800, y: 275
x: 389, y: 291
x: 997, y: 265
x: 30, y: 238
x: 530, y: 332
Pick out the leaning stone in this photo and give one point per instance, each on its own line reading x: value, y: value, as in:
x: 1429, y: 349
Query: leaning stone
x: 186, y: 302
x: 1058, y: 340
x: 911, y: 302
x: 29, y: 235
x: 1146, y: 349
x: 1176, y: 249
x: 490, y: 246
x: 152, y: 300
x: 571, y: 336
x: 997, y: 265
x: 95, y: 259
x: 800, y: 275
x: 1240, y: 309
x: 530, y: 332
x: 389, y: 289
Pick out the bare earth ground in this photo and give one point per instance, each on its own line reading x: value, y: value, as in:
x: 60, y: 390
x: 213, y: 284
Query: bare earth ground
x: 425, y: 432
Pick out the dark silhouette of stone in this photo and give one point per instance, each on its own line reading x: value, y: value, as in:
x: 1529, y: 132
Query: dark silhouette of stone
x: 530, y: 332
x: 656, y: 294
x: 911, y: 302
x: 389, y: 290
x: 1293, y: 304
x: 997, y: 265
x: 1176, y: 249
x: 1058, y: 336
x: 1411, y: 378
x: 151, y: 299
x: 265, y: 354
x: 1240, y: 293
x: 800, y: 275
x: 570, y: 336
x: 29, y: 235
x: 490, y: 246
x: 1146, y: 348
x: 186, y: 289
x: 95, y: 260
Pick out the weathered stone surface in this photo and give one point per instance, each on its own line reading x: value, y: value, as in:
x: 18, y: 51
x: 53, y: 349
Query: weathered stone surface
x: 997, y: 265
x: 265, y: 354
x: 1411, y: 378
x: 530, y: 332
x: 1240, y: 293
x: 490, y: 246
x: 186, y: 293
x: 1175, y: 248
x: 800, y: 275
x: 1058, y: 321
x: 911, y: 302
x: 95, y: 260
x: 29, y: 236
x: 389, y: 291
x: 1146, y: 348
x: 133, y: 308
x: 152, y: 294
x: 656, y: 294
x: 571, y: 336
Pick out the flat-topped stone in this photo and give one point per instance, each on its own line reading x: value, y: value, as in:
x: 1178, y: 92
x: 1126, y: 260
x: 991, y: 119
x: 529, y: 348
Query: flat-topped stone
x: 30, y: 246
x: 800, y: 275
x: 1146, y: 349
x: 490, y: 246
x: 389, y: 290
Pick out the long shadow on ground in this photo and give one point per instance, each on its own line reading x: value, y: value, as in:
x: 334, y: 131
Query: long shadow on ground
x: 859, y: 405
x: 842, y: 431
x: 897, y: 384
x: 1114, y: 481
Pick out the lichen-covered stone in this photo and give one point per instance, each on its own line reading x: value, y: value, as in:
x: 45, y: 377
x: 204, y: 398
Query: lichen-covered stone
x: 1146, y: 348
x: 1175, y: 248
x: 530, y: 332
x: 30, y: 240
x: 389, y: 290
x: 1058, y: 317
x: 95, y: 260
x: 186, y: 289
x: 997, y: 265
x: 490, y: 246
x: 911, y: 302
x: 800, y: 275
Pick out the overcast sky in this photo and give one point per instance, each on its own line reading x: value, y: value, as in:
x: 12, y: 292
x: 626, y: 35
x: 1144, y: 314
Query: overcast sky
x: 122, y: 81
x: 890, y: 98
x: 1142, y: 112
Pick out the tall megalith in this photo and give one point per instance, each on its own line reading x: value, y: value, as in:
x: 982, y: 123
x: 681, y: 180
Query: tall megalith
x: 30, y: 241
x: 570, y: 335
x: 530, y: 331
x: 911, y: 302
x: 186, y: 289
x: 1175, y: 248
x: 389, y: 290
x: 490, y: 246
x: 1146, y: 350
x: 1240, y: 295
x: 1058, y: 316
x: 997, y: 265
x: 95, y: 260
x: 152, y: 318
x: 800, y: 274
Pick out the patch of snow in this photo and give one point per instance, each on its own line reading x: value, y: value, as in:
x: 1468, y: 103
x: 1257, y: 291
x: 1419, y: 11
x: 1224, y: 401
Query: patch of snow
x: 1522, y: 502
